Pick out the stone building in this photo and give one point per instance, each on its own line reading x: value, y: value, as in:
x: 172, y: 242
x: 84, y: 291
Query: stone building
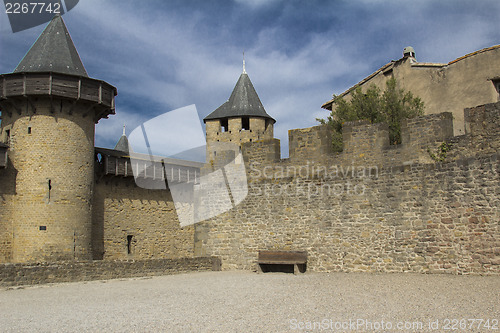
x: 471, y: 80
x: 242, y: 118
x: 429, y: 204
x: 49, y: 110
x: 426, y: 205
x: 61, y: 198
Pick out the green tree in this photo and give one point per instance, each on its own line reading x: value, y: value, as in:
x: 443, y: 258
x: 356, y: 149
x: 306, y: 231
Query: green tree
x: 391, y: 107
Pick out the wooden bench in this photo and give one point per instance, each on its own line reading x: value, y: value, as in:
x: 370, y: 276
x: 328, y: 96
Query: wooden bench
x: 296, y: 258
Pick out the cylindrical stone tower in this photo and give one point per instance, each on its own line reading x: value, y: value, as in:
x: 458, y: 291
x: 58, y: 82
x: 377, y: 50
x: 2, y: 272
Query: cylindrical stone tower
x: 49, y: 110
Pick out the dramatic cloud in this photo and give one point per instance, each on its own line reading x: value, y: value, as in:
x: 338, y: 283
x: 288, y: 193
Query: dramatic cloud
x: 164, y: 55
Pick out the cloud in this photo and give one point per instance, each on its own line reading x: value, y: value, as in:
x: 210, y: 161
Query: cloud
x: 169, y: 134
x: 171, y: 64
x: 108, y: 131
x: 166, y: 55
x: 257, y: 3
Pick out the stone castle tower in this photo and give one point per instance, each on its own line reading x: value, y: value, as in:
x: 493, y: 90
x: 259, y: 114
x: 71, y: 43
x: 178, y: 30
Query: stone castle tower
x: 242, y: 118
x: 49, y: 110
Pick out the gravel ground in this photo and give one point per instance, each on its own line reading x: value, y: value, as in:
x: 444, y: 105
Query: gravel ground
x: 250, y: 302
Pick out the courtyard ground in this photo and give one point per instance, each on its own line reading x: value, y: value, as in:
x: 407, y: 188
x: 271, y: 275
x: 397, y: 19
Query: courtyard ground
x: 250, y: 302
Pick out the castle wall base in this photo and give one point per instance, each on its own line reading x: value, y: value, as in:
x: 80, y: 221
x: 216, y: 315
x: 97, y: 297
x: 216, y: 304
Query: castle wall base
x: 42, y: 273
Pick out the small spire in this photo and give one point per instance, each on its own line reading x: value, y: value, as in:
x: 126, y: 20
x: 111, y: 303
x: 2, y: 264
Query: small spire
x: 244, y: 71
x: 122, y: 144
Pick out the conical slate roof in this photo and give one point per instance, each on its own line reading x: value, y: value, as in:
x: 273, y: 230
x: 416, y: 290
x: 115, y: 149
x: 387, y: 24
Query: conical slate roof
x: 244, y: 101
x: 122, y: 144
x: 53, y: 51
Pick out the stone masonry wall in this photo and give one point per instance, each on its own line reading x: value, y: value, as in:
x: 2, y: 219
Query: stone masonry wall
x: 7, y: 193
x: 49, y: 180
x: 419, y: 218
x: 148, y: 217
x: 259, y: 129
x: 40, y: 273
x: 366, y: 143
x: 394, y: 209
x: 310, y: 143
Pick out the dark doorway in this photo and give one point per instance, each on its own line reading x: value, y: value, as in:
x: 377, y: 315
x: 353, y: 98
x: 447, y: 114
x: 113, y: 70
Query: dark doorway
x: 282, y: 268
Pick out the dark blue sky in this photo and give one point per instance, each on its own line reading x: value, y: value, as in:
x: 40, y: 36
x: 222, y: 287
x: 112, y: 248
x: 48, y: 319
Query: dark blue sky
x: 164, y: 55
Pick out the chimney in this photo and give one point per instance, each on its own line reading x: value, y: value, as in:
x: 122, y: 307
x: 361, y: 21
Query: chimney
x: 409, y: 52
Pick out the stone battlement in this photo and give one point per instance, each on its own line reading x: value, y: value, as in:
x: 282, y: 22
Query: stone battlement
x: 368, y: 144
x: 427, y: 205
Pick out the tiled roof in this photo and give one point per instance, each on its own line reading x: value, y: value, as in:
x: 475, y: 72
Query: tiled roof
x: 474, y: 53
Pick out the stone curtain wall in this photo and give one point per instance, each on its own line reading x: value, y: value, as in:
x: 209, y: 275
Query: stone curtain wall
x: 148, y: 217
x: 31, y: 274
x: 392, y: 211
x: 482, y: 133
x: 313, y: 143
x: 483, y: 128
x: 419, y: 218
x: 368, y: 144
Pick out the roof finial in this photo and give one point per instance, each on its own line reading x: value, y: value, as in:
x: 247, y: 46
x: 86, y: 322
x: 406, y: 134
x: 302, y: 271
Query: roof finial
x: 123, y: 130
x: 244, y: 71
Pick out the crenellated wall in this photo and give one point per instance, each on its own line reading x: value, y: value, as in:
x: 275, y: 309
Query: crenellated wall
x: 311, y: 143
x: 369, y: 143
x: 375, y: 206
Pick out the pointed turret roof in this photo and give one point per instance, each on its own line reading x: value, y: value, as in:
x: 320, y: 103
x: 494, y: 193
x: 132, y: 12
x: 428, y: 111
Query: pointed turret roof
x: 122, y: 144
x: 53, y: 51
x: 244, y: 101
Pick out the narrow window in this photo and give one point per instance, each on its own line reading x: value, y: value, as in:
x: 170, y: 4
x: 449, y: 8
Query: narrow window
x: 129, y: 244
x: 224, y: 125
x: 7, y: 136
x: 245, y: 123
x: 29, y: 130
x: 49, y: 183
x: 43, y: 227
